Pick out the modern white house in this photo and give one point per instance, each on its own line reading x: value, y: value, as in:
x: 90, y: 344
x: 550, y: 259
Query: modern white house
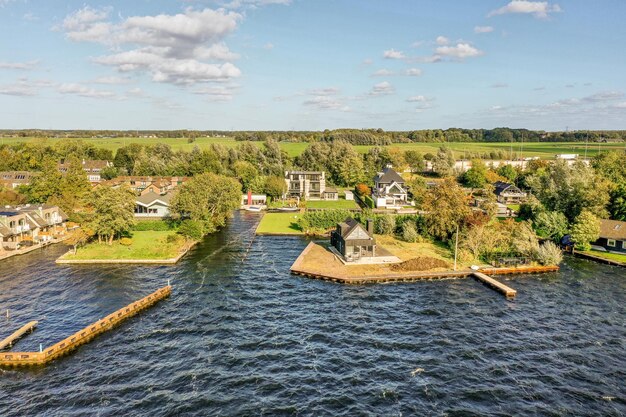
x: 389, y: 189
x: 153, y: 205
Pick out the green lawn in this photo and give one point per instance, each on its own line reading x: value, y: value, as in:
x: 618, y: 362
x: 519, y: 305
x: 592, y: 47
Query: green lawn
x: 279, y: 224
x: 544, y: 150
x: 330, y: 204
x: 607, y: 255
x: 514, y: 207
x: 146, y: 245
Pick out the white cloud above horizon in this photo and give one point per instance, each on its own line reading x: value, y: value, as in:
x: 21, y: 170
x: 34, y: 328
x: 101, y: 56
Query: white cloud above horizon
x: 539, y: 9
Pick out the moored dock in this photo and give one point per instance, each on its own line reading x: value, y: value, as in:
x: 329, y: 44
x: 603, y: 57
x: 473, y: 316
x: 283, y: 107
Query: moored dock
x: 496, y: 285
x: 10, y: 340
x: 15, y: 359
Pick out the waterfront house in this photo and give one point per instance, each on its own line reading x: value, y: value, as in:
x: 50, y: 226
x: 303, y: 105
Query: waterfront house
x: 354, y: 241
x: 308, y: 185
x: 153, y: 205
x: 92, y: 167
x: 13, y: 179
x: 250, y: 199
x: 330, y: 194
x: 389, y: 189
x: 508, y: 193
x: 29, y: 224
x: 612, y: 236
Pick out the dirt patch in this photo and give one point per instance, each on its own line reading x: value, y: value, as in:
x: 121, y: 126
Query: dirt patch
x: 424, y: 263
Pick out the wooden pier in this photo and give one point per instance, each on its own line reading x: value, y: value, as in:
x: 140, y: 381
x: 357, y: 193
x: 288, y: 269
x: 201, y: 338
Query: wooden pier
x: 9, y: 341
x: 496, y: 285
x: 13, y: 359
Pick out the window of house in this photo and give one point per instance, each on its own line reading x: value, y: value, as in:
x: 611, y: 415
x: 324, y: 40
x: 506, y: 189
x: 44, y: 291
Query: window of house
x: 610, y: 242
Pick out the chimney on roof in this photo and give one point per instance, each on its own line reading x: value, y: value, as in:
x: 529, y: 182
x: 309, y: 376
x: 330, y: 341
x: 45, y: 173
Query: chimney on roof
x: 370, y: 226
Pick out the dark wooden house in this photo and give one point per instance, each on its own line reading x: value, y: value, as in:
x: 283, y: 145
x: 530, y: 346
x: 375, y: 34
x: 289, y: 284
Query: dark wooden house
x: 353, y: 240
x: 612, y: 236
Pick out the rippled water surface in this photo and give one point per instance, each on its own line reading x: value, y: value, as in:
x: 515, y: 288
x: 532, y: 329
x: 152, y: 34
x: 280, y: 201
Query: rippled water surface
x: 241, y: 336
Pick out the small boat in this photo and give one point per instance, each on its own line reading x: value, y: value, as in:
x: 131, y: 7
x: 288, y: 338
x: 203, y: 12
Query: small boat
x: 289, y: 209
x: 253, y: 208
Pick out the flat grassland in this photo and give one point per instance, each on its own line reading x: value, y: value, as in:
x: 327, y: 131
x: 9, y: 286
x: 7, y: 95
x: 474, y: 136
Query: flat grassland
x: 145, y: 245
x: 279, y: 224
x: 332, y: 204
x: 544, y: 150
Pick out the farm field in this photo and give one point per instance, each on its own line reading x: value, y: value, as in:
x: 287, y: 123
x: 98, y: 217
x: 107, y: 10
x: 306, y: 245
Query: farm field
x: 543, y: 150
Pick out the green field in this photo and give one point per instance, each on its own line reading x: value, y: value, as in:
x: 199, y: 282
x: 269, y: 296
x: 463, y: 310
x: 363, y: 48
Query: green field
x: 279, y: 224
x: 607, y: 255
x: 332, y: 204
x: 543, y: 150
x: 146, y: 245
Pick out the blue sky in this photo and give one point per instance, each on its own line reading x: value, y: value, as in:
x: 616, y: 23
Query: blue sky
x: 312, y: 65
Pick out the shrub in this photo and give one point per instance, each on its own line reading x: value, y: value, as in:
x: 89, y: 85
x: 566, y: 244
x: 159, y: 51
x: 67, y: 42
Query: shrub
x: 549, y: 254
x: 368, y: 201
x: 385, y: 225
x: 192, y: 229
x: 126, y: 241
x: 409, y: 233
x: 586, y: 229
x: 154, y: 225
x: 322, y: 220
x: 172, y: 239
x: 363, y: 190
x: 551, y: 224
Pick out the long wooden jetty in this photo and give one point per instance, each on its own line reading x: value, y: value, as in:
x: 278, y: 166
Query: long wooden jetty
x: 9, y: 341
x: 496, y: 285
x: 12, y: 359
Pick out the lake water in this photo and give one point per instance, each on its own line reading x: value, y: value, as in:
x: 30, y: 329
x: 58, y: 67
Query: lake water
x: 241, y: 336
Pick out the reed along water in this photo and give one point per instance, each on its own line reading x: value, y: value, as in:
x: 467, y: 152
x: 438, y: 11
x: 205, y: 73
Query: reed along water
x: 241, y: 336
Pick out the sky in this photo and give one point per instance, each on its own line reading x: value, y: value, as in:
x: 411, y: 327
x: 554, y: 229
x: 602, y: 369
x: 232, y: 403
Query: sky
x: 312, y: 64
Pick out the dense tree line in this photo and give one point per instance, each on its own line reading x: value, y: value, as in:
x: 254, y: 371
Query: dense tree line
x: 352, y: 136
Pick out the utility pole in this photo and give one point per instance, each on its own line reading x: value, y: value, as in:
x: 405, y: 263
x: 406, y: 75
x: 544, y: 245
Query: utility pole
x: 456, y: 244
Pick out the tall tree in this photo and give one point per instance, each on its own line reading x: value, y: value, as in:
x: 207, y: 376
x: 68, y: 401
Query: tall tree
x: 446, y: 206
x: 111, y: 212
x: 207, y: 199
x: 586, y: 229
x: 443, y: 163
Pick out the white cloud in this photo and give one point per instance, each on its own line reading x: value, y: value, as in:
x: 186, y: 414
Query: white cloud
x: 499, y: 85
x: 417, y: 44
x: 268, y: 46
x: 413, y: 72
x: 25, y: 87
x: 418, y: 99
x: 183, y: 49
x: 459, y: 51
x: 112, y: 80
x: 383, y: 73
x: 19, y: 65
x: 324, y: 103
x: 367, y: 61
x: 604, y: 96
x: 382, y: 89
x: 252, y: 4
x: 84, y: 91
x: 328, y: 91
x: 442, y: 40
x: 483, y: 29
x: 393, y: 54
x: 216, y: 93
x: 31, y: 17
x: 539, y: 9
x: 136, y: 92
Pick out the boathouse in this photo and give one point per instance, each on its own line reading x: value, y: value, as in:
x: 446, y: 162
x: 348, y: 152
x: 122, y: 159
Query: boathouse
x: 354, y: 241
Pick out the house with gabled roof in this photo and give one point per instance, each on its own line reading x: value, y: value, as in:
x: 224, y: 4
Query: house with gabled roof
x: 30, y: 223
x: 92, y: 167
x: 612, y: 236
x: 353, y: 240
x: 389, y: 189
x: 152, y: 204
x: 507, y: 193
x: 13, y: 179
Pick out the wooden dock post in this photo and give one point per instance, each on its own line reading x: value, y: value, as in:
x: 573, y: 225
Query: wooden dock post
x: 17, y: 334
x: 496, y: 285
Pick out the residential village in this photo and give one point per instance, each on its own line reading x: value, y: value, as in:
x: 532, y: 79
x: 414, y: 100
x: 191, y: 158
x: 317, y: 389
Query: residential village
x: 472, y: 212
